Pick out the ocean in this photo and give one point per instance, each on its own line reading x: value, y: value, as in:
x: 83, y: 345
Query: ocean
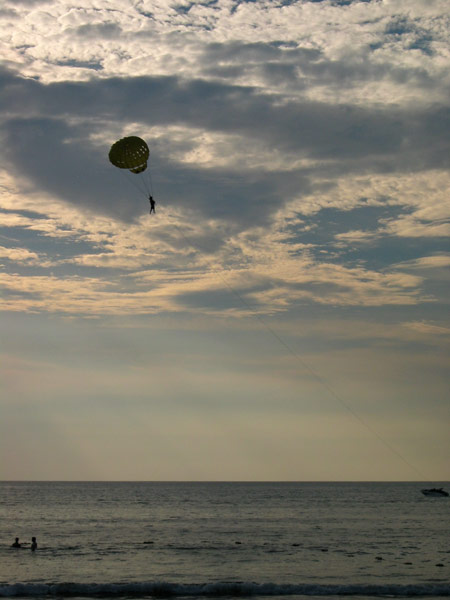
x: 206, y: 540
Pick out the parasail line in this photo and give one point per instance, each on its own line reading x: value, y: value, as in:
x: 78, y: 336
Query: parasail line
x: 312, y: 371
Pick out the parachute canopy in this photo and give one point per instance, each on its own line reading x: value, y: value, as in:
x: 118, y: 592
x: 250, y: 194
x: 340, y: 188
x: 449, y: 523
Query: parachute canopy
x: 130, y: 153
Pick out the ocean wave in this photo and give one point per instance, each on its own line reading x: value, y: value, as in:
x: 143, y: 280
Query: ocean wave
x: 217, y: 590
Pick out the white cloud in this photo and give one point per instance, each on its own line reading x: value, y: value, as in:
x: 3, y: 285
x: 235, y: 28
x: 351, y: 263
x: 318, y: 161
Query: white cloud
x: 19, y: 255
x: 428, y: 328
x: 426, y: 193
x: 411, y: 226
x: 60, y: 42
x: 440, y: 261
x: 268, y: 274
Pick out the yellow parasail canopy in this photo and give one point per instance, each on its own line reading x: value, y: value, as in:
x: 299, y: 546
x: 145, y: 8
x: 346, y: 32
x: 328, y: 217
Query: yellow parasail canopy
x: 130, y: 153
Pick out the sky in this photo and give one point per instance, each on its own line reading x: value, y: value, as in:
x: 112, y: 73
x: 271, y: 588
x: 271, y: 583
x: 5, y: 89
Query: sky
x: 284, y: 313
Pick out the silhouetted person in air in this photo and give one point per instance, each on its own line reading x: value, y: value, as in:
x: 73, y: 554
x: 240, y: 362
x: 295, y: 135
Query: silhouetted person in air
x: 33, y: 544
x: 16, y: 544
x: 152, y: 204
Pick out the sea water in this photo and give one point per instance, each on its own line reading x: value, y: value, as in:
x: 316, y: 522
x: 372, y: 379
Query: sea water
x: 223, y: 539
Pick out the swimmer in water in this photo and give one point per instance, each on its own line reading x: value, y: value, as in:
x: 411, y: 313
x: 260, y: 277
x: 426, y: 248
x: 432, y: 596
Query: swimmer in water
x: 33, y: 544
x: 16, y: 544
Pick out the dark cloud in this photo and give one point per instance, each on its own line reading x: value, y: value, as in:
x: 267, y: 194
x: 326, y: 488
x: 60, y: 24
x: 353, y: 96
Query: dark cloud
x: 416, y: 38
x: 9, y: 13
x: 55, y: 248
x: 340, y: 2
x: 275, y: 62
x: 376, y: 250
x: 257, y: 52
x: 226, y: 72
x: 26, y: 2
x: 296, y: 68
x: 26, y: 213
x: 8, y: 293
x: 99, y: 31
x: 96, y: 66
x: 219, y: 300
x: 52, y: 145
x: 56, y: 157
x: 313, y: 128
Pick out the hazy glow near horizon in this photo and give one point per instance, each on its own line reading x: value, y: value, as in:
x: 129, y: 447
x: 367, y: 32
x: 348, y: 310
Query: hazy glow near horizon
x: 284, y: 314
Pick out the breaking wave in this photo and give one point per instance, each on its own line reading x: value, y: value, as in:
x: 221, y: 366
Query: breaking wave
x: 217, y: 590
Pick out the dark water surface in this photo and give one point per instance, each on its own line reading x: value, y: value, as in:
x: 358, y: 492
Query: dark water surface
x: 224, y: 539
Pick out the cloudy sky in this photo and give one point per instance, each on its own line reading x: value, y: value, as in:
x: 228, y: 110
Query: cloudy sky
x: 283, y: 315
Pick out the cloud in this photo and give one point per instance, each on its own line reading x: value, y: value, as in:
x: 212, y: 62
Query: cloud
x: 162, y: 38
x: 59, y: 147
x: 433, y: 262
x: 271, y: 158
x: 169, y: 272
x: 410, y: 226
x: 19, y: 255
x: 429, y: 328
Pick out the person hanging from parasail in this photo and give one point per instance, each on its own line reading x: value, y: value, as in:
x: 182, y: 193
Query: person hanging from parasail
x: 132, y: 153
